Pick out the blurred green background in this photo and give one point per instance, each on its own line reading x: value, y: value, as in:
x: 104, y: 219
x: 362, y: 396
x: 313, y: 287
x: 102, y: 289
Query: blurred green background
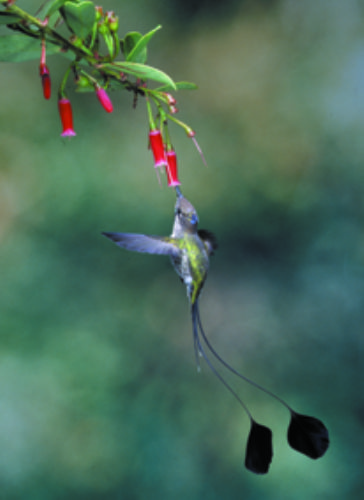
x: 99, y: 394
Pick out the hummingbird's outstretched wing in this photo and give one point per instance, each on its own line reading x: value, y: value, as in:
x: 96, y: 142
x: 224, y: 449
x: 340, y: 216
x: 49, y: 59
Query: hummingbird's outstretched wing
x: 145, y: 244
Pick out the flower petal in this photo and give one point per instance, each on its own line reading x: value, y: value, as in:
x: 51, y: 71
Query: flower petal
x: 308, y: 435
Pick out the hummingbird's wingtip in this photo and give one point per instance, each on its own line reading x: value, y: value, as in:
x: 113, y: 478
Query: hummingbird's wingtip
x: 108, y: 235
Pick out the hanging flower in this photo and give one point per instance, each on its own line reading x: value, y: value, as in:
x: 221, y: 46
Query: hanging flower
x: 44, y: 73
x: 171, y: 169
x: 104, y: 99
x: 65, y: 112
x: 157, y: 146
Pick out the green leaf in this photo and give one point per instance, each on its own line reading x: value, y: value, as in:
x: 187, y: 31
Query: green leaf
x: 178, y: 86
x: 138, y: 54
x: 18, y: 48
x: 142, y: 71
x: 129, y: 42
x: 7, y: 18
x: 79, y: 17
x: 54, y: 6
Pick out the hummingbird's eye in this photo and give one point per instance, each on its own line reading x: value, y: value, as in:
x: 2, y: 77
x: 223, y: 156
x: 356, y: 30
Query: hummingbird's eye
x: 178, y: 211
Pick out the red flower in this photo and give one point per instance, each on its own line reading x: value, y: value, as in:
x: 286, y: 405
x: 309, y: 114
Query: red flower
x: 104, y: 99
x: 65, y: 112
x: 46, y: 80
x: 44, y: 73
x: 157, y: 146
x: 171, y: 169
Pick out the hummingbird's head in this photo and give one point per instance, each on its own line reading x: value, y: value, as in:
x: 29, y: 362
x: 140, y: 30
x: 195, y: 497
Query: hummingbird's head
x: 186, y: 218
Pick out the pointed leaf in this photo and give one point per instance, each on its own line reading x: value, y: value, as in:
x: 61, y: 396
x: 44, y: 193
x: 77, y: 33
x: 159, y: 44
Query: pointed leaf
x: 139, y: 52
x: 54, y: 6
x: 129, y: 42
x: 79, y: 17
x: 308, y: 435
x: 259, y: 450
x: 18, y: 48
x: 179, y: 86
x: 141, y: 71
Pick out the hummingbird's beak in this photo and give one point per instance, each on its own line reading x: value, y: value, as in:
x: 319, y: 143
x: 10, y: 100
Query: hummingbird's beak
x: 178, y: 192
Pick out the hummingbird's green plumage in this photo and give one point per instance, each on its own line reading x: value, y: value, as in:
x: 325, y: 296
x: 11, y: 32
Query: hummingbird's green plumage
x: 189, y: 249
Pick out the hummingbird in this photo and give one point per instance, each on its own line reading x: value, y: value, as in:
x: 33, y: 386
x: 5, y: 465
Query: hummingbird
x: 189, y: 249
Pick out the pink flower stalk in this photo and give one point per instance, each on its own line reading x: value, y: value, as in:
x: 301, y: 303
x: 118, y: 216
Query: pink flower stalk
x: 171, y: 169
x: 104, y: 99
x: 65, y: 112
x: 191, y: 133
x: 44, y: 73
x: 157, y: 146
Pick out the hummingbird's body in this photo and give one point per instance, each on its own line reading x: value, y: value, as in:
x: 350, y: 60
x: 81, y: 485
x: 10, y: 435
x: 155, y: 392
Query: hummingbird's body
x: 189, y: 249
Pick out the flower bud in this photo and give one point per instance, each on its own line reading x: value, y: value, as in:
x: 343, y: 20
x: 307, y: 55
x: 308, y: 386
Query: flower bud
x: 173, y: 109
x: 44, y: 73
x: 104, y: 99
x: 113, y: 21
x: 99, y: 12
x: 171, y: 101
x: 46, y: 80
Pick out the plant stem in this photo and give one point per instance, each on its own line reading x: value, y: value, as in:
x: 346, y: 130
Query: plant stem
x: 45, y: 31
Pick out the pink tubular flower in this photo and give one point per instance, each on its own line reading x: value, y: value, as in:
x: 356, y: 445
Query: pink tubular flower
x: 44, y: 73
x: 171, y: 169
x: 104, y: 99
x: 46, y: 80
x: 156, y: 144
x: 65, y: 112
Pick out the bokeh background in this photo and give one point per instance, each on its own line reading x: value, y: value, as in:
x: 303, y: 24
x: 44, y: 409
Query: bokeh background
x: 99, y: 394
